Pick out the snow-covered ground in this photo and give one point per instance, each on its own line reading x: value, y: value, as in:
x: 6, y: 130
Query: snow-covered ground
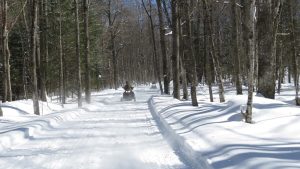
x: 155, y: 133
x: 106, y: 134
x: 216, y: 134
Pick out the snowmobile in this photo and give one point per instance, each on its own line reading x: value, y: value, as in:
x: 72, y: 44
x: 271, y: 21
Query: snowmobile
x: 128, y: 95
x: 153, y: 85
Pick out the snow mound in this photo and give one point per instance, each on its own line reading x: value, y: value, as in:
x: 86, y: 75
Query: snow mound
x: 180, y: 144
x: 20, y: 133
x: 215, y: 134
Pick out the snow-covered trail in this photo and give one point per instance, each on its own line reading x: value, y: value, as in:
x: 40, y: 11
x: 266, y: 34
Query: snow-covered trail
x: 108, y: 134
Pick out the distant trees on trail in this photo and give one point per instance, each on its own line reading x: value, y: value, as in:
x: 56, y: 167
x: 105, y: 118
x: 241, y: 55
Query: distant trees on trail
x: 57, y: 49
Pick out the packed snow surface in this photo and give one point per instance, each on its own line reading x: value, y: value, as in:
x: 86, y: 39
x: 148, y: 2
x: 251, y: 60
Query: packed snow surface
x: 156, y: 132
x: 107, y: 134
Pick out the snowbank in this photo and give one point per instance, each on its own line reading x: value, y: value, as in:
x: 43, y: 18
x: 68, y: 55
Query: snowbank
x: 214, y: 134
x: 21, y: 132
x: 19, y: 124
x: 179, y: 143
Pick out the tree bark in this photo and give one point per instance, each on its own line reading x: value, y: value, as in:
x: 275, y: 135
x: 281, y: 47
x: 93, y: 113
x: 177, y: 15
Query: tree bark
x: 198, y: 44
x: 280, y: 67
x: 175, y: 49
x: 25, y: 55
x: 61, y: 63
x: 268, y: 19
x: 33, y: 35
x: 235, y: 47
x: 215, y: 60
x: 163, y: 48
x: 1, y: 112
x: 156, y: 60
x: 183, y: 80
x: 292, y: 4
x: 7, y: 65
x: 41, y: 50
x: 78, y: 55
x: 208, y: 72
x: 46, y: 49
x: 189, y: 60
x: 87, y: 52
x: 114, y: 62
x: 2, y: 88
x: 6, y: 55
x: 24, y: 79
x: 183, y: 73
x: 248, y: 15
x: 111, y: 20
x: 289, y: 73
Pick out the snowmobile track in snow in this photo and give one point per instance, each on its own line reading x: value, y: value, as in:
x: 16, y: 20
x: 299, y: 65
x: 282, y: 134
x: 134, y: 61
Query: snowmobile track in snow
x: 102, y: 136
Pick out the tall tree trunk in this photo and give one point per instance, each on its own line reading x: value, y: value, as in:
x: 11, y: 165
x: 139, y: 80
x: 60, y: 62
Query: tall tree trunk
x: 3, y: 53
x: 87, y: 52
x: 213, y: 51
x: 1, y: 112
x: 6, y: 55
x: 111, y: 20
x: 78, y: 54
x: 198, y: 45
x: 38, y: 48
x: 268, y: 19
x: 235, y: 47
x: 185, y: 93
x: 289, y: 73
x: 248, y: 15
x: 207, y: 57
x: 114, y: 62
x: 163, y: 48
x: 189, y: 60
x: 175, y: 49
x: 2, y: 88
x: 280, y: 67
x: 183, y: 73
x: 45, y: 51
x: 61, y: 63
x: 292, y: 10
x: 209, y: 76
x: 25, y: 55
x: 24, y: 69
x: 156, y: 59
x: 41, y: 51
x: 7, y: 65
x: 33, y: 47
x: 24, y: 63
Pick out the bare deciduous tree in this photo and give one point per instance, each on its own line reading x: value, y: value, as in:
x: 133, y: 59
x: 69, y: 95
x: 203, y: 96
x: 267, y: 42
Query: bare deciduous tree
x: 249, y: 15
x: 214, y: 57
x: 87, y: 51
x: 175, y: 49
x: 33, y: 47
x: 77, y: 35
x: 267, y: 25
x: 163, y: 48
x: 155, y: 57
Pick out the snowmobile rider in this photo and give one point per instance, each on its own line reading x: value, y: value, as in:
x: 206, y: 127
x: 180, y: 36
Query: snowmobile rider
x: 127, y: 87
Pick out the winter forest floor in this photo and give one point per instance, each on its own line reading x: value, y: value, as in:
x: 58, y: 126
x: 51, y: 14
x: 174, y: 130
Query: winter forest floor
x: 156, y: 132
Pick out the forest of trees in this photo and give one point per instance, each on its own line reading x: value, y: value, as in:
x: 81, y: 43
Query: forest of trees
x: 53, y: 48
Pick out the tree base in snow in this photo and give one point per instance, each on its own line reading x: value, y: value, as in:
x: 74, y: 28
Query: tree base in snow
x: 297, y: 101
x: 1, y: 112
